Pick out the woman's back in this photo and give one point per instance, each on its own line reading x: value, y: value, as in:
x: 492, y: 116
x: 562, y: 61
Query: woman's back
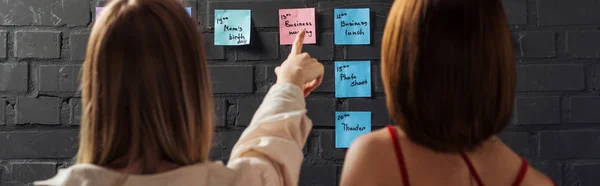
x: 494, y: 163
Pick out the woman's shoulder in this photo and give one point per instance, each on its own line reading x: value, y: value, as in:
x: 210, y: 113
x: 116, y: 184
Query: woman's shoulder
x: 208, y: 173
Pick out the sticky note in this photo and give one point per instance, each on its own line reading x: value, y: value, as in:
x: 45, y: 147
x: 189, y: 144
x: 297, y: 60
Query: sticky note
x: 352, y: 79
x: 232, y: 27
x: 352, y: 26
x: 99, y: 11
x: 189, y: 10
x: 291, y: 21
x: 349, y: 126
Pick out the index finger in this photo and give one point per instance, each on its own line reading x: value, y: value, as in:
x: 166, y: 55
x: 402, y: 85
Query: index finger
x: 297, y: 46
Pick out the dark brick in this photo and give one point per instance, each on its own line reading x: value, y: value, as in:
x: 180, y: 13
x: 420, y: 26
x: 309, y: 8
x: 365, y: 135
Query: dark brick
x: 37, y: 44
x: 378, y: 85
x: 220, y: 111
x: 264, y: 45
x: 223, y: 144
x: 38, y: 110
x: 264, y: 14
x: 323, y: 50
x: 568, y: 12
x: 597, y: 77
x: 45, y: 12
x: 535, y: 44
x: 582, y: 173
x: 372, y: 51
x: 584, y: 44
x: 3, y: 43
x: 2, y: 105
x: 516, y: 11
x: 327, y: 148
x: 78, y: 43
x: 75, y: 111
x: 318, y: 175
x: 379, y: 11
x: 28, y: 172
x: 538, y: 110
x: 520, y: 142
x: 14, y: 77
x: 59, y: 78
x: 550, y: 168
x: 550, y: 78
x: 43, y: 144
x: 584, y: 109
x: 377, y: 107
x: 321, y: 112
x: 246, y: 109
x: 213, y: 52
x: 578, y: 144
x: 232, y: 79
x: 328, y: 84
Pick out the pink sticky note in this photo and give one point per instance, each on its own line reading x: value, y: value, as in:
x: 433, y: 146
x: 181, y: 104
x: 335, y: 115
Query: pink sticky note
x: 291, y: 21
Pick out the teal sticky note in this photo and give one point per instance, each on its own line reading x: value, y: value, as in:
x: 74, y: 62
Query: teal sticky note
x: 352, y: 79
x: 232, y: 27
x: 189, y: 10
x: 349, y: 126
x: 352, y: 26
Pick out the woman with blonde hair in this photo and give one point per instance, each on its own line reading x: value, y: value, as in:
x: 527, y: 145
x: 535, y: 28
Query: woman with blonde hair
x: 448, y: 70
x: 148, y: 107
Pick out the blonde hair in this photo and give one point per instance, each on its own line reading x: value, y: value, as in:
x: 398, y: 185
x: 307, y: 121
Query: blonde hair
x: 145, y: 87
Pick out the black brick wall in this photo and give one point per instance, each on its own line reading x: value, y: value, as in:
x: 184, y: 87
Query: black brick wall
x: 555, y: 124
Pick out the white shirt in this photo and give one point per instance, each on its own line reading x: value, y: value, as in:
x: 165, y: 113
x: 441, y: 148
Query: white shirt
x: 277, y: 132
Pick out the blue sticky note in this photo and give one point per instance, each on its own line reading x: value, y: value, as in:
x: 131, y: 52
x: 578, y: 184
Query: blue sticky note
x: 232, y: 27
x: 352, y: 26
x: 349, y: 126
x: 189, y: 10
x: 352, y: 79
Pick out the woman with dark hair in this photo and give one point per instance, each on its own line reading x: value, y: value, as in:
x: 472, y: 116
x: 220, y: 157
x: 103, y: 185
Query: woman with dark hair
x: 448, y: 70
x: 148, y: 107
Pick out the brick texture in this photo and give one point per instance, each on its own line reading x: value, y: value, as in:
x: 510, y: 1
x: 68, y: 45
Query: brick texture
x: 38, y: 144
x: 36, y: 44
x: 555, y: 123
x: 27, y: 172
x: 14, y: 77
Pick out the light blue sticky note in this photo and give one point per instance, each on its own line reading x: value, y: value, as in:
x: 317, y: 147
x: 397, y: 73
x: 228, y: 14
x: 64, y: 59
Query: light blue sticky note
x: 232, y: 27
x: 189, y: 10
x: 352, y: 79
x: 349, y: 126
x: 352, y: 26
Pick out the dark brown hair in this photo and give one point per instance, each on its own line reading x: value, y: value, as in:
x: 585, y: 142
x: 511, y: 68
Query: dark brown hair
x: 449, y: 71
x: 145, y: 87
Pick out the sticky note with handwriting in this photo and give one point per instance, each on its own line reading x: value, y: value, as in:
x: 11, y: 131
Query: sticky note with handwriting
x: 352, y: 79
x: 349, y: 126
x: 232, y: 27
x: 352, y: 26
x: 291, y: 21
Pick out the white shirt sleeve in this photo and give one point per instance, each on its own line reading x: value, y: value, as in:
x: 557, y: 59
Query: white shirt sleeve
x: 269, y: 152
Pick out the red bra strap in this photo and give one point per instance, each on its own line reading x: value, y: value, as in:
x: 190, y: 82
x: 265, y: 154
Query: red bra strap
x: 522, y: 173
x: 399, y: 155
x: 472, y: 169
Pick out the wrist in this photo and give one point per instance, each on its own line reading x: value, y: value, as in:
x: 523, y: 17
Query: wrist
x: 293, y: 82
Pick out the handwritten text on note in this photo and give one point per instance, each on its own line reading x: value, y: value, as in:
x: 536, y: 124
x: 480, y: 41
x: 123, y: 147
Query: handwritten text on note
x: 352, y: 79
x: 232, y: 27
x: 349, y: 126
x: 352, y: 26
x: 291, y: 21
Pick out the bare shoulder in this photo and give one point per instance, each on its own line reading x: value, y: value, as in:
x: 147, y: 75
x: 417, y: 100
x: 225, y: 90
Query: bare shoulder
x: 368, y: 159
x: 534, y: 177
